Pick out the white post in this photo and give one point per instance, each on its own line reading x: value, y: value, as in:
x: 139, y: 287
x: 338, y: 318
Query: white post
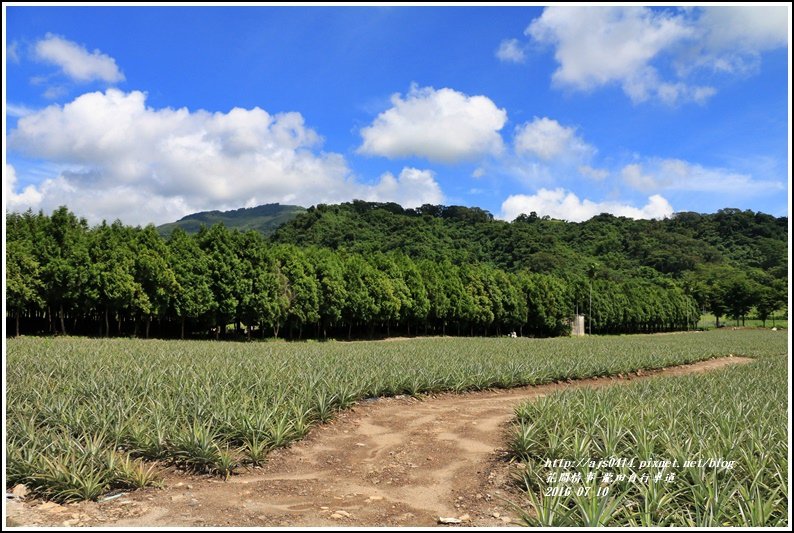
x: 590, y: 313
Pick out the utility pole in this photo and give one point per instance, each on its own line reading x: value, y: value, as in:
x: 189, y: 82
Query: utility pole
x: 590, y: 313
x: 592, y: 275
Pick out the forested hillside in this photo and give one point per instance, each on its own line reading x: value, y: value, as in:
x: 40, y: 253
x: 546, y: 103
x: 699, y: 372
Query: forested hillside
x: 365, y: 269
x: 729, y: 261
x: 263, y: 218
x: 742, y: 239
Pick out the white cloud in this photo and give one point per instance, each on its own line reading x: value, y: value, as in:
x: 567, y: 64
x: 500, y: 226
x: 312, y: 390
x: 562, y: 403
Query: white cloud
x: 440, y: 125
x: 77, y: 62
x: 478, y: 173
x: 598, y: 174
x: 597, y: 46
x: 412, y: 188
x: 29, y: 197
x: 510, y: 51
x: 733, y: 37
x: 748, y: 27
x: 18, y: 110
x: 565, y: 205
x: 673, y: 93
x: 658, y: 174
x: 546, y: 139
x: 633, y: 177
x: 54, y: 92
x: 119, y: 158
x: 12, y: 52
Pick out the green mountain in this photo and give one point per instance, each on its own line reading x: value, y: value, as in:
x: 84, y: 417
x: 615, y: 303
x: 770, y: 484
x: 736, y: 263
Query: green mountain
x: 617, y: 247
x: 263, y: 218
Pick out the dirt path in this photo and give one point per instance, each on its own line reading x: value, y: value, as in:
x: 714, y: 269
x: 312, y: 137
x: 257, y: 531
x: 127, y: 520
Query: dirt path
x: 389, y: 462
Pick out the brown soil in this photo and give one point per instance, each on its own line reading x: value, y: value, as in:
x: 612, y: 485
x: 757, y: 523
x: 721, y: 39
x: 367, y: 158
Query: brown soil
x: 389, y: 462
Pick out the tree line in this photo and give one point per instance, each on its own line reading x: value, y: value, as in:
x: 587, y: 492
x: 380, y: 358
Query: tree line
x: 755, y: 243
x: 731, y: 262
x: 65, y: 277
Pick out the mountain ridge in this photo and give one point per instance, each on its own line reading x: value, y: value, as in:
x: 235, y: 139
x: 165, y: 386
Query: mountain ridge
x: 264, y: 218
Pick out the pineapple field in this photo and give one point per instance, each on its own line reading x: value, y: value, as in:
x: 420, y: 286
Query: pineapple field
x: 88, y: 418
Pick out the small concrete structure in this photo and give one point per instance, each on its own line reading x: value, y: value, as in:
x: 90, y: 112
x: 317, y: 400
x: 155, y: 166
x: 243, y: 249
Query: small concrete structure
x: 577, y: 326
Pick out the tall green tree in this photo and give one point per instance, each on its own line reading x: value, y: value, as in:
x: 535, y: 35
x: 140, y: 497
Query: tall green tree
x: 330, y: 273
x: 113, y: 285
x: 23, y: 279
x: 155, y: 275
x: 361, y: 306
x: 304, y: 290
x: 192, y: 297
x: 225, y: 274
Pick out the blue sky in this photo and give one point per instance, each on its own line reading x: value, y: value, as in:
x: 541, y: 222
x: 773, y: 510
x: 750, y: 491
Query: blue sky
x: 149, y: 113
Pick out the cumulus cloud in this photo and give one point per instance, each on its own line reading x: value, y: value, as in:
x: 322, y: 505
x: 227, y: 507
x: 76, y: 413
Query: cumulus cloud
x: 441, y: 125
x: 28, y: 197
x: 732, y: 37
x: 633, y: 177
x: 120, y: 158
x: 77, y: 62
x: 412, y: 188
x: 510, y: 51
x: 658, y: 174
x: 597, y: 46
x: 547, y: 139
x: 598, y: 174
x: 565, y: 205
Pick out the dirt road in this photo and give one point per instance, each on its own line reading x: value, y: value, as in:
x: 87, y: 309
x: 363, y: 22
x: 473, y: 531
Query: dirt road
x: 389, y: 462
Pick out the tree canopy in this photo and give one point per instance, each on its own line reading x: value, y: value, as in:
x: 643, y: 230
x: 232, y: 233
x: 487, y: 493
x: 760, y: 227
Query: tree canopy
x: 363, y: 269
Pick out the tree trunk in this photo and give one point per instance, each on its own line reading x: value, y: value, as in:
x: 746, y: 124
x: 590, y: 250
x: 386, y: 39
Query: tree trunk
x: 107, y: 322
x: 718, y: 321
x: 135, y: 328
x: 118, y: 316
x: 17, y: 322
x: 349, y: 330
x: 60, y: 315
x: 182, y: 329
x: 148, y: 323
